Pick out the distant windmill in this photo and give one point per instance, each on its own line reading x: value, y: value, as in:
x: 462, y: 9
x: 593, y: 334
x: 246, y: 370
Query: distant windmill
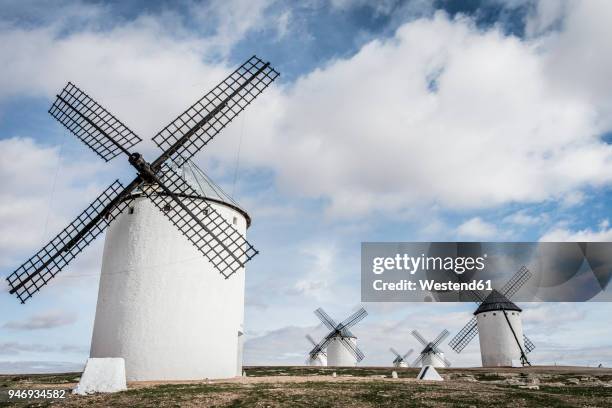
x: 497, y: 320
x: 159, y: 301
x: 431, y: 354
x: 400, y: 361
x: 316, y: 356
x: 340, y: 343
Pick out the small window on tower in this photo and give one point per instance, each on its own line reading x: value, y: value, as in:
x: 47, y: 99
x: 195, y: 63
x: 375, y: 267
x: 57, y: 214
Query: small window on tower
x: 131, y: 210
x: 235, y: 221
x: 493, y: 314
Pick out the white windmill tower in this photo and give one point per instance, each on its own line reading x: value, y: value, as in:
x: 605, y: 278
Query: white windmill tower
x: 157, y: 290
x: 400, y: 361
x: 497, y: 320
x: 168, y: 311
x: 431, y: 354
x: 316, y: 356
x: 341, y: 344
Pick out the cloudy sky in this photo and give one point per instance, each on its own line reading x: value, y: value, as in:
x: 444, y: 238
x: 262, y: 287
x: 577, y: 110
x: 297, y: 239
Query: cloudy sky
x: 400, y: 121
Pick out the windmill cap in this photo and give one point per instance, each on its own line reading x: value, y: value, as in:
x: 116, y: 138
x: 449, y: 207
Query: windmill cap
x: 346, y: 334
x: 496, y: 301
x: 204, y: 187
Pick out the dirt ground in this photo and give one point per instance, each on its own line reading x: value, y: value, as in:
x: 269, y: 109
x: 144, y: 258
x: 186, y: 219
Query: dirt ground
x: 351, y: 387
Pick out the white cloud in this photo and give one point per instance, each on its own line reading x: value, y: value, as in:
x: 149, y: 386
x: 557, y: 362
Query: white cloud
x: 40, y: 192
x: 13, y: 347
x: 577, y: 58
x: 318, y: 281
x: 496, y: 131
x: 506, y: 124
x: 523, y: 218
x: 284, y: 22
x: 45, y: 320
x: 131, y: 70
x: 573, y: 199
x: 391, y: 8
x: 477, y: 228
x: 286, y: 345
x: 546, y: 14
x: 28, y: 367
x: 233, y: 19
x: 549, y: 316
x: 563, y: 234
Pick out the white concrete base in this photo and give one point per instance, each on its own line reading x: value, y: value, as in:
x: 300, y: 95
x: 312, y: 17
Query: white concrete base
x: 102, y: 375
x: 429, y: 373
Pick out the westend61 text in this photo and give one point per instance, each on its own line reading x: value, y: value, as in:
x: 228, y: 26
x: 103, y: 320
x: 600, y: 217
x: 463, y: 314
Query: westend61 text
x: 431, y: 285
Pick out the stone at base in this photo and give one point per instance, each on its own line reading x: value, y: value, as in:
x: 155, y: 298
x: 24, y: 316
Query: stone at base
x: 429, y: 373
x: 102, y: 375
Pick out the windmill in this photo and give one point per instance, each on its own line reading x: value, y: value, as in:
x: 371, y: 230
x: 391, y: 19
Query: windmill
x: 400, y: 360
x: 159, y: 299
x: 340, y: 343
x: 316, y: 356
x: 497, y: 320
x: 431, y: 354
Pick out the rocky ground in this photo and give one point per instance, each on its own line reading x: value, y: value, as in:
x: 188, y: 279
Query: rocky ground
x: 350, y: 387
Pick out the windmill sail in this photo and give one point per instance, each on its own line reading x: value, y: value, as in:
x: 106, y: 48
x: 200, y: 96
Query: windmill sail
x: 341, y: 332
x: 199, y: 124
x: 201, y: 224
x: 420, y: 338
x: 516, y: 282
x: 355, y: 351
x: 398, y: 357
x: 465, y: 335
x: 325, y: 319
x: 95, y: 126
x: 36, y: 272
x: 430, y: 350
x: 529, y: 346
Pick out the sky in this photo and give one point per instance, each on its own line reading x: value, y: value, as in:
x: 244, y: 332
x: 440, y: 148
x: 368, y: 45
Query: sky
x: 392, y: 121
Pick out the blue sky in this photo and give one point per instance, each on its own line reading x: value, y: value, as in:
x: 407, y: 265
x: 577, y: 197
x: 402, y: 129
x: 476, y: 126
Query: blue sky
x: 416, y: 120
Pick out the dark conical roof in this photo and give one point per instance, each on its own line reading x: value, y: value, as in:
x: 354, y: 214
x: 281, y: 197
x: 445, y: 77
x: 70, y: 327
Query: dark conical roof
x: 496, y: 301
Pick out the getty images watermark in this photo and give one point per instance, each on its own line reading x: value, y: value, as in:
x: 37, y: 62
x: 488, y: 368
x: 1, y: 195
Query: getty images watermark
x: 424, y: 264
x: 466, y: 271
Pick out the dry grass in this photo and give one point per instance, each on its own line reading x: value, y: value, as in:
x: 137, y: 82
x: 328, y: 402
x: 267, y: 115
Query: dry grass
x: 353, y: 387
